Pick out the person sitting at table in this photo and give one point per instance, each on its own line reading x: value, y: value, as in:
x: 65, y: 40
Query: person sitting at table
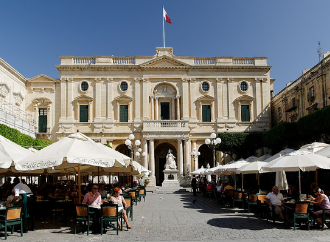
x: 12, y: 196
x: 322, y: 201
x: 275, y: 199
x: 102, y: 190
x: 120, y: 201
x: 93, y: 197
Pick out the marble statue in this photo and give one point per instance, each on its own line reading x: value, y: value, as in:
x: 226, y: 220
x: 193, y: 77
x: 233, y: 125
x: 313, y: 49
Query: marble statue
x: 170, y: 160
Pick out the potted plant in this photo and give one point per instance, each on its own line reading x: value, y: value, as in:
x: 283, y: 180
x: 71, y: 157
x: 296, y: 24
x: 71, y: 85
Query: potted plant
x: 146, y: 182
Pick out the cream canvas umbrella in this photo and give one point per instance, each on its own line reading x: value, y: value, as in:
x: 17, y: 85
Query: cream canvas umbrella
x: 199, y: 171
x: 296, y: 161
x: 232, y: 168
x: 313, y: 147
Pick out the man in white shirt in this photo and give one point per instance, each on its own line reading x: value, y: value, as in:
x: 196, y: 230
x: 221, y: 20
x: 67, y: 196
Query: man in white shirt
x: 275, y: 199
x: 23, y: 190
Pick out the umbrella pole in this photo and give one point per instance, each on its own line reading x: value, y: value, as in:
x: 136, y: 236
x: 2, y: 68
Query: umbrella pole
x: 235, y: 180
x: 98, y: 176
x: 79, y: 184
x: 316, y: 178
x: 242, y: 183
x: 258, y: 181
x: 299, y: 186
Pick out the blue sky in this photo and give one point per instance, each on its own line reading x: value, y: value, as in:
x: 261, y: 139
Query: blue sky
x: 33, y: 34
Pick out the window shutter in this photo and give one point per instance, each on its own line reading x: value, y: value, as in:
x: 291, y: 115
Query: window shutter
x: 123, y: 113
x: 245, y: 113
x: 206, y: 113
x: 83, y: 113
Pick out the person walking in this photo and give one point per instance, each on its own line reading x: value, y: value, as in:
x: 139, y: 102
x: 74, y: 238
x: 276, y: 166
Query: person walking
x: 194, y: 185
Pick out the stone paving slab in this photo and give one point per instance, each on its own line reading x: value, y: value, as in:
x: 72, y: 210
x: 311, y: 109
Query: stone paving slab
x: 181, y: 217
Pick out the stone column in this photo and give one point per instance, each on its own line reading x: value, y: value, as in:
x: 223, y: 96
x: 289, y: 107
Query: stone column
x: 49, y: 117
x: 219, y: 97
x: 180, y: 157
x: 156, y: 106
x: 265, y: 96
x: 137, y: 101
x: 258, y: 102
x: 109, y: 98
x: 70, y: 99
x: 152, y: 107
x: 177, y: 107
x: 187, y: 163
x: 193, y: 99
x: 225, y: 99
x: 97, y: 98
x: 152, y: 157
x: 172, y: 117
x: 185, y: 99
x: 36, y: 115
x: 195, y: 160
x: 145, y: 98
x: 230, y: 98
x: 145, y: 149
x: 63, y: 98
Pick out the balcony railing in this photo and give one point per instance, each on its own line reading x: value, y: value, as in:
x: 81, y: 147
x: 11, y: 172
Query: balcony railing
x: 165, y: 125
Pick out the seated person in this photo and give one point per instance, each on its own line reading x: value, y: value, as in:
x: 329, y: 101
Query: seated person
x: 102, y: 190
x: 12, y: 196
x: 93, y: 197
x: 275, y: 199
x: 322, y: 201
x: 120, y: 201
x: 227, y: 187
x: 74, y: 192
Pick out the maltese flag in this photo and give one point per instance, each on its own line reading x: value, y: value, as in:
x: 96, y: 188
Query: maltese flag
x: 166, y: 17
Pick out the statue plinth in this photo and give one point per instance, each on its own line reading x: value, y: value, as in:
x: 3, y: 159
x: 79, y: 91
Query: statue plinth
x: 171, y: 178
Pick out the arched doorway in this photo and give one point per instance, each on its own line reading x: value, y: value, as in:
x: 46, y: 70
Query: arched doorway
x: 160, y: 160
x: 124, y: 150
x: 206, y: 156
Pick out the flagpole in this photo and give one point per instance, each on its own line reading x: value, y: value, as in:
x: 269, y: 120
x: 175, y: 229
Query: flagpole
x: 163, y: 28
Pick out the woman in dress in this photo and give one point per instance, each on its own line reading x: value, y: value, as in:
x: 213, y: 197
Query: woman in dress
x: 120, y: 201
x: 322, y: 201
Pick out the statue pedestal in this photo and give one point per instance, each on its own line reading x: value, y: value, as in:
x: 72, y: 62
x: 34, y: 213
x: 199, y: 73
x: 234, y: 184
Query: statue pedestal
x: 171, y: 179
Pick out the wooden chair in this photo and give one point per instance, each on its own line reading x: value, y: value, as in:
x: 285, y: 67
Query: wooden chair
x: 129, y: 209
x: 12, y: 217
x: 261, y: 204
x: 301, y: 212
x: 238, y: 197
x: 134, y: 195
x: 142, y: 194
x: 82, y: 215
x: 251, y: 200
x: 229, y: 196
x: 110, y: 214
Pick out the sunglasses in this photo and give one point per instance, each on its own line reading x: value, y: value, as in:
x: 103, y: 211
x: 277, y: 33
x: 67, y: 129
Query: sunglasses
x: 95, y: 188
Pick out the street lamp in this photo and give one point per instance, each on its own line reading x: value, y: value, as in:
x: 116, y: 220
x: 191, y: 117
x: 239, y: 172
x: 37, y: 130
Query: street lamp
x: 129, y: 142
x: 194, y: 154
x: 212, y: 143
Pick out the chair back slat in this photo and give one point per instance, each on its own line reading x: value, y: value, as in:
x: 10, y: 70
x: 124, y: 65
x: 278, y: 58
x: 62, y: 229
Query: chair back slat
x: 128, y: 201
x: 110, y: 211
x: 252, y: 197
x: 14, y: 213
x: 141, y: 191
x: 261, y: 198
x: 237, y: 195
x: 132, y: 194
x: 301, y: 208
x: 82, y: 211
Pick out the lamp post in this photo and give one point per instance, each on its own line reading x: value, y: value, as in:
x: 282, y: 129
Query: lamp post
x: 194, y: 154
x: 129, y: 142
x: 212, y: 143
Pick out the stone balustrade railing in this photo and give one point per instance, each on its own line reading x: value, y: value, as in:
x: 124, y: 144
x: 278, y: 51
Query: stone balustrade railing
x: 205, y: 61
x: 124, y: 60
x: 165, y: 125
x: 84, y: 60
x: 244, y: 61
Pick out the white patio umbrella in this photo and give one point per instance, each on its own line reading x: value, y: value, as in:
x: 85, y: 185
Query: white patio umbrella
x: 213, y: 170
x: 10, y: 153
x: 199, y: 171
x: 231, y: 168
x: 313, y: 147
x: 281, y: 153
x: 251, y: 168
x: 324, y: 152
x: 296, y: 161
x: 264, y: 157
x: 281, y: 182
x: 251, y: 158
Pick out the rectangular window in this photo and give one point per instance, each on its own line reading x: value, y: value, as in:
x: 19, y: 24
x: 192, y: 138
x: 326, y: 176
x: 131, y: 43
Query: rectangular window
x: 311, y: 92
x: 293, y: 102
x: 123, y: 113
x: 206, y: 113
x: 279, y: 112
x: 164, y: 111
x: 42, y: 124
x: 245, y: 113
x: 83, y: 113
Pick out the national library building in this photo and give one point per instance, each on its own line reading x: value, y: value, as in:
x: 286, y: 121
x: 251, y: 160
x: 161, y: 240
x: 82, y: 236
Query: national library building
x: 166, y: 101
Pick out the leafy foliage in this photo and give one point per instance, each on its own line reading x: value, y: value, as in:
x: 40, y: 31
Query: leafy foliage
x: 22, y: 139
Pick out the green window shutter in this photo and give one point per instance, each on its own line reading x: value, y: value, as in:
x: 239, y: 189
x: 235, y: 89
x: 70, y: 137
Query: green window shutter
x: 123, y: 113
x: 206, y: 113
x: 42, y: 121
x: 83, y: 113
x: 245, y: 113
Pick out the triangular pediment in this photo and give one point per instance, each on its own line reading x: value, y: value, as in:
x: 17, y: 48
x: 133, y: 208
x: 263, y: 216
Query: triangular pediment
x: 83, y: 97
x: 245, y: 98
x: 205, y: 98
x: 123, y: 97
x: 42, y: 78
x: 164, y: 61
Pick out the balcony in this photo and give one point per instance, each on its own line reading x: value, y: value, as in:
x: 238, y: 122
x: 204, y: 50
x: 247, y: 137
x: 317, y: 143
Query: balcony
x: 165, y: 125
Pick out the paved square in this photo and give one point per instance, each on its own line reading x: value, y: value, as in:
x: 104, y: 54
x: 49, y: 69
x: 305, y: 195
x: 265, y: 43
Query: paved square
x: 177, y: 217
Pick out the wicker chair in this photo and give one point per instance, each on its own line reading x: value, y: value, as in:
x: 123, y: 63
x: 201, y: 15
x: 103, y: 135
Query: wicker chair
x: 109, y: 215
x: 12, y: 217
x: 82, y: 215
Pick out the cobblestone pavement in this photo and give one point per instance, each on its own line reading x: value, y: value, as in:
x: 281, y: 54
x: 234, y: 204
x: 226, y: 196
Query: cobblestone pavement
x: 180, y: 217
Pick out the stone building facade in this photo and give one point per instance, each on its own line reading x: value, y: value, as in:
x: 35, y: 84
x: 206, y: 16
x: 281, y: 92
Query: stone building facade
x: 310, y: 92
x: 166, y: 101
